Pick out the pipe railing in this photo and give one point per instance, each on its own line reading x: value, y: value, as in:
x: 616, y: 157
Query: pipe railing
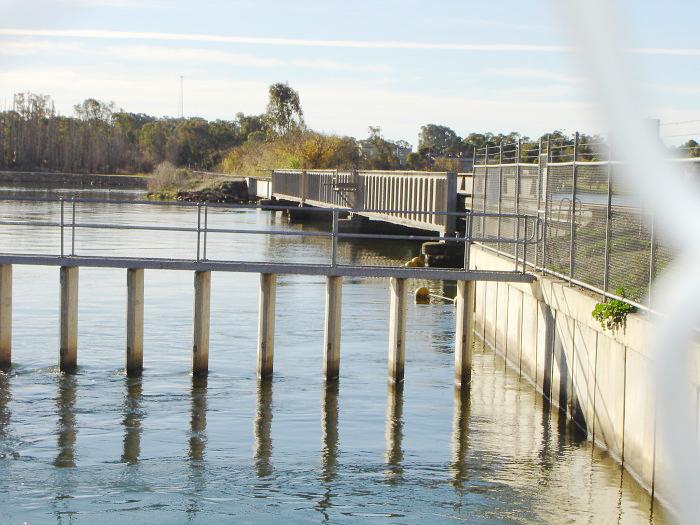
x: 533, y: 230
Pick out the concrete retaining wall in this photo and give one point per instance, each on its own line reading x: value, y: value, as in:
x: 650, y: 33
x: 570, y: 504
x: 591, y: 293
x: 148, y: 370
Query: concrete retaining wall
x: 600, y: 378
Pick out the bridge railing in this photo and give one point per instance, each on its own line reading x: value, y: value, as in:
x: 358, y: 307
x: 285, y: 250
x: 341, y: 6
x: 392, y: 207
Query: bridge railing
x: 71, y: 222
x: 424, y: 200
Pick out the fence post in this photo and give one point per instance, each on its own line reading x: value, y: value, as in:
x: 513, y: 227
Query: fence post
x: 545, y: 188
x: 500, y: 195
x: 469, y: 217
x: 652, y: 260
x: 334, y: 238
x: 486, y: 181
x: 72, y: 235
x: 516, y: 224
x: 573, y: 210
x: 199, y: 226
x: 608, y: 219
x: 206, y: 215
x: 539, y: 195
x: 62, y: 224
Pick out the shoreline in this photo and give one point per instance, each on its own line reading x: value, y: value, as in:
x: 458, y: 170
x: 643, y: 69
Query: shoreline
x: 95, y: 180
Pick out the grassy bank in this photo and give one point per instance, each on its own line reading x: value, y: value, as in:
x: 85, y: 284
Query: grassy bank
x: 170, y: 183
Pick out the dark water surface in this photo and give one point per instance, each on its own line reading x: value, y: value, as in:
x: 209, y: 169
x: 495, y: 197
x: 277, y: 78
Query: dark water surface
x: 100, y: 448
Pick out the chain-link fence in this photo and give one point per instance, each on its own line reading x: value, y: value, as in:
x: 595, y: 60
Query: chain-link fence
x: 597, y: 233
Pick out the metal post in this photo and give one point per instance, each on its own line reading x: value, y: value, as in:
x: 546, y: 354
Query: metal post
x: 539, y: 194
x: 467, y: 238
x: 199, y: 226
x: 545, y: 184
x: 72, y: 237
x: 517, y: 240
x: 525, y: 241
x: 500, y: 194
x: 206, y: 214
x: 486, y: 181
x: 517, y: 199
x: 608, y: 225
x: 62, y: 221
x: 334, y: 239
x: 573, y: 211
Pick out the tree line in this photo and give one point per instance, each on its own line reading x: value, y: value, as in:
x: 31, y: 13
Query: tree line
x: 100, y: 138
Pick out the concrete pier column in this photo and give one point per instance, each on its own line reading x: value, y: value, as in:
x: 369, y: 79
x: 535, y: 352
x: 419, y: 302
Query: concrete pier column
x: 5, y: 316
x: 397, y: 329
x: 464, y: 333
x: 266, y: 325
x: 68, y: 356
x: 331, y: 338
x: 134, y: 322
x: 200, y: 332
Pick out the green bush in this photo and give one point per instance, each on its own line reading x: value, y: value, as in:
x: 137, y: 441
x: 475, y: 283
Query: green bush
x: 613, y: 314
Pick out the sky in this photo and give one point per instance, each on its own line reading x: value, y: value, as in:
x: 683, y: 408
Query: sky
x: 398, y: 64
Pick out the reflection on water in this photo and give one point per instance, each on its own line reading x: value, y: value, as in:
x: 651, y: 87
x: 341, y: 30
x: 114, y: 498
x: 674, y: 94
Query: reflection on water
x: 133, y: 416
x: 460, y: 435
x: 262, y: 431
x: 329, y: 430
x: 5, y: 412
x: 101, y: 448
x: 394, y: 433
x: 197, y: 444
x: 329, y: 449
x: 66, y: 429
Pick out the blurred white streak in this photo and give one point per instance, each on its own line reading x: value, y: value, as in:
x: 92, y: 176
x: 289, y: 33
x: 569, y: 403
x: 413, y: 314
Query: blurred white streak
x: 596, y: 31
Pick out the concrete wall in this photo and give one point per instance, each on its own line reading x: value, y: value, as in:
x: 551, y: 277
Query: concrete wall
x: 599, y: 378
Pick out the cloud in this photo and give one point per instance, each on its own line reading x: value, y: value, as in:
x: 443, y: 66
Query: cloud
x: 299, y: 42
x: 28, y: 47
x: 296, y: 42
x: 533, y: 73
x: 164, y: 54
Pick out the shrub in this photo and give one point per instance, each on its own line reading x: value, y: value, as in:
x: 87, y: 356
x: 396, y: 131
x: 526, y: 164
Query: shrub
x: 167, y: 177
x: 613, y: 314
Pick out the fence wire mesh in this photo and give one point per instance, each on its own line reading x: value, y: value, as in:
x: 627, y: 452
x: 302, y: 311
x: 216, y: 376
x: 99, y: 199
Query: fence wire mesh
x: 597, y: 233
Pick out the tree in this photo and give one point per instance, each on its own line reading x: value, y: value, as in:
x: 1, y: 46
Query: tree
x: 377, y: 152
x: 691, y: 149
x: 438, y: 141
x: 94, y: 110
x: 248, y: 124
x: 284, y: 112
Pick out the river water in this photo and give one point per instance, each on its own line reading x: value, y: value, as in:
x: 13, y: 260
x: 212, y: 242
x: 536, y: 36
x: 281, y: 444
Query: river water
x: 97, y: 447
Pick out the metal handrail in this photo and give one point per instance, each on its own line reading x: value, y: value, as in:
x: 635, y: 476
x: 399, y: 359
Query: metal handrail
x: 202, y: 228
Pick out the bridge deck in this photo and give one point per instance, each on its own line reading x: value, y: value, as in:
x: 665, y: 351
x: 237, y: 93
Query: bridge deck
x: 267, y: 267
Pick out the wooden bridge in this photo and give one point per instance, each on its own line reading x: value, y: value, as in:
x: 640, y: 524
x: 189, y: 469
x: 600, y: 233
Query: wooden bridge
x: 70, y: 263
x: 419, y: 200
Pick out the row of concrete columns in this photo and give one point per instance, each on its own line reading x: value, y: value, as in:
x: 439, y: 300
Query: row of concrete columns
x: 266, y: 324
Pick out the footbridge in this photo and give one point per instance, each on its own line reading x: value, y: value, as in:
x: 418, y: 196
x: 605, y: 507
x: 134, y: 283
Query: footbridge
x: 415, y: 199
x: 70, y: 242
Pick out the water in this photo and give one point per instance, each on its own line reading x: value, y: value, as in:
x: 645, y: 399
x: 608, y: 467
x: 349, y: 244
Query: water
x: 98, y: 447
